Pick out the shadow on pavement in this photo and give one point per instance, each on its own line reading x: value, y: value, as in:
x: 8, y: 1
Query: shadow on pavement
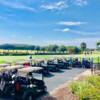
x: 60, y: 71
x: 49, y: 75
x: 45, y: 96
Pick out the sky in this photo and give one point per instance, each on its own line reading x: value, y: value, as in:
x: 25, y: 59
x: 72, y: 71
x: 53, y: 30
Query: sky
x: 44, y: 22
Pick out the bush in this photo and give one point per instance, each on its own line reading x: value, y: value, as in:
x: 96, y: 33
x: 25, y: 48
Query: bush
x: 94, y: 80
x: 87, y: 89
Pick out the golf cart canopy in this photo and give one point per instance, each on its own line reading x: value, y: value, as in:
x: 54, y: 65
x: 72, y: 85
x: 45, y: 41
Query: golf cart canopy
x: 39, y: 60
x: 8, y: 68
x: 34, y: 70
x: 51, y: 59
x: 4, y: 65
x: 21, y: 63
x: 2, y: 69
x: 27, y: 70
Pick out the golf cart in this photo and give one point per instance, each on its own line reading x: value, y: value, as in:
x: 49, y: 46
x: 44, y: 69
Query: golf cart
x: 77, y: 63
x: 87, y: 65
x: 5, y: 65
x: 2, y: 69
x: 29, y: 83
x: 63, y: 64
x: 37, y: 62
x: 7, y: 80
x: 44, y: 65
x: 24, y: 63
x: 52, y: 66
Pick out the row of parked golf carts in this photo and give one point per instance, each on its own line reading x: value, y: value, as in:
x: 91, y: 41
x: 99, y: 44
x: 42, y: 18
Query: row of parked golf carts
x: 56, y: 64
x: 25, y: 80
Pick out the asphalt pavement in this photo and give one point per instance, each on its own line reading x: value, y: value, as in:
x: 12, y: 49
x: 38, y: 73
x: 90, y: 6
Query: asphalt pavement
x: 61, y: 77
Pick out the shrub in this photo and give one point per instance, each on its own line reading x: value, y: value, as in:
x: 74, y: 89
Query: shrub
x: 87, y: 89
x: 94, y: 80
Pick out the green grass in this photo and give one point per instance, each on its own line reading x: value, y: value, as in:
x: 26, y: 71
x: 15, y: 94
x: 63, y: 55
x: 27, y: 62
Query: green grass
x: 4, y: 59
x: 87, y: 89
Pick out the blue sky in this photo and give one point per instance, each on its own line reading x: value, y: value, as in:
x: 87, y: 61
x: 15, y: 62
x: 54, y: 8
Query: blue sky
x: 44, y: 22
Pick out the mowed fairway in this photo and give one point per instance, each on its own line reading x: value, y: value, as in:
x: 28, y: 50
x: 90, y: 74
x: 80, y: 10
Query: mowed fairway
x: 13, y: 59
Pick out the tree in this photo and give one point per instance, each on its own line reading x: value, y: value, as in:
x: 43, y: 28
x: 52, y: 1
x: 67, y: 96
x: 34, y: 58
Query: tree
x: 70, y: 49
x: 77, y: 50
x: 43, y: 49
x: 37, y: 48
x: 62, y: 48
x: 98, y: 45
x: 52, y: 48
x: 83, y: 46
x: 32, y: 47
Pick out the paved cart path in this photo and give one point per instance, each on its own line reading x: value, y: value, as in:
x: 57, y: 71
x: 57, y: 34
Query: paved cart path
x: 59, y: 78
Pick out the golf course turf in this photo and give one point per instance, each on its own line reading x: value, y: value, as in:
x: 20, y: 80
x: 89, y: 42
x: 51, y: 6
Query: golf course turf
x: 12, y: 59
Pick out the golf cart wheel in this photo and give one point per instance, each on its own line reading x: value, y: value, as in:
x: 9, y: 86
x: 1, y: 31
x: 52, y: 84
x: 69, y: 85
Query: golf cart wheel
x: 1, y: 93
x: 30, y: 97
x: 44, y: 90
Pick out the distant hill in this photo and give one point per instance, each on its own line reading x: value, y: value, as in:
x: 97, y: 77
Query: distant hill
x: 17, y: 46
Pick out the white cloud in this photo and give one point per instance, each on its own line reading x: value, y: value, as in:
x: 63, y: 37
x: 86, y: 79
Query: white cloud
x: 84, y: 33
x: 78, y: 32
x: 16, y: 5
x: 55, y: 6
x: 70, y: 23
x: 62, y: 4
x: 81, y: 2
x: 66, y: 30
x: 63, y: 30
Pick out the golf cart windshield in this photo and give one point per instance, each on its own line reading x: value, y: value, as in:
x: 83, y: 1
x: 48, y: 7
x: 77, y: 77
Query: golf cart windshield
x: 37, y: 76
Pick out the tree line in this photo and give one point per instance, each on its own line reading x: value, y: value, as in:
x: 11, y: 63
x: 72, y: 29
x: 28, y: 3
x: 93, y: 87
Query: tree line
x: 42, y: 49
x: 48, y: 49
